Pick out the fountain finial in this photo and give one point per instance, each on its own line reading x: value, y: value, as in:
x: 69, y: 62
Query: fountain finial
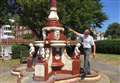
x: 53, y: 3
x: 53, y: 14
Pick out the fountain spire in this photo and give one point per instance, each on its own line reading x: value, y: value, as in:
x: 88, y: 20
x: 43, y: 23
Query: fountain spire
x: 53, y: 3
x: 53, y: 11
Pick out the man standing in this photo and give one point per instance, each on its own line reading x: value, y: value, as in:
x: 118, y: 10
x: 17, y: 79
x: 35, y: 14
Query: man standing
x: 88, y: 43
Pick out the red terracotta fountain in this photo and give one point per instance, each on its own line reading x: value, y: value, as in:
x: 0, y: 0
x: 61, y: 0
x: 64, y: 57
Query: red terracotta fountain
x: 55, y: 63
x: 55, y: 41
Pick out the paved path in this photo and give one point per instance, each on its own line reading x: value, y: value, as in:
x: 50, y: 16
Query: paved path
x: 5, y: 76
x: 112, y: 71
x: 104, y: 79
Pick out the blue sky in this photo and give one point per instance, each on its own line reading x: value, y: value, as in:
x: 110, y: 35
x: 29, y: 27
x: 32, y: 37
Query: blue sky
x: 112, y: 10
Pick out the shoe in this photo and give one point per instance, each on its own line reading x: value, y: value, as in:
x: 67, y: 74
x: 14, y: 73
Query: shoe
x: 88, y: 73
x: 83, y: 76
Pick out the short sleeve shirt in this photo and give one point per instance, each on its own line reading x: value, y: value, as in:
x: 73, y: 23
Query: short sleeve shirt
x: 87, y: 42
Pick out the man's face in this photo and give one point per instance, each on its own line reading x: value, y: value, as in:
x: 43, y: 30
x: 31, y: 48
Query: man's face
x: 86, y: 32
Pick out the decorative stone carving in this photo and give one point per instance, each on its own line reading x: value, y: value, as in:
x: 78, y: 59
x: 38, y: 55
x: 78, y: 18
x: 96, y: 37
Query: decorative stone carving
x: 39, y: 70
x: 31, y: 50
x: 44, y: 34
x: 77, y: 51
x: 57, y: 34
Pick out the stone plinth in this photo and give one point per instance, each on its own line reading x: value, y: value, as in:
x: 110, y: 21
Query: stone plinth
x: 27, y: 77
x: 29, y: 64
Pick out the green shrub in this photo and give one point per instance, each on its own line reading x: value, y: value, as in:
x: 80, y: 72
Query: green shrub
x: 27, y: 36
x: 108, y: 46
x: 19, y: 51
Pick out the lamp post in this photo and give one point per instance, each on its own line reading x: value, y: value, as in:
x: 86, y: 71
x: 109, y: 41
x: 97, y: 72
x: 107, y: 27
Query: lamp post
x: 0, y: 40
x: 12, y: 21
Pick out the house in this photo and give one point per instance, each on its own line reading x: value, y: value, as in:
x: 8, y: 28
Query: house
x: 6, y: 33
x: 9, y: 36
x: 100, y: 36
x: 20, y: 31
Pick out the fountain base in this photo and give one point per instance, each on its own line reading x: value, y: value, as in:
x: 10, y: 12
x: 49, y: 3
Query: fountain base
x: 59, y: 77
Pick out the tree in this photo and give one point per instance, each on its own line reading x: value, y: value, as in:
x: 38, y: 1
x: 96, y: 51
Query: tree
x: 3, y: 11
x: 81, y: 13
x: 113, y: 30
x: 77, y: 14
x: 9, y: 10
x: 34, y: 14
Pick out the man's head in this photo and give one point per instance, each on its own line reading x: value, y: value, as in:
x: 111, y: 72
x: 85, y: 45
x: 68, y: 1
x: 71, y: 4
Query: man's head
x: 86, y: 32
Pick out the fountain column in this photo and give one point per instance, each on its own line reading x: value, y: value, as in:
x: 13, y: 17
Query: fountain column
x: 55, y: 37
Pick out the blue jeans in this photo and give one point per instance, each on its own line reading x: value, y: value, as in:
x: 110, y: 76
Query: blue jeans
x: 87, y: 52
x: 34, y: 60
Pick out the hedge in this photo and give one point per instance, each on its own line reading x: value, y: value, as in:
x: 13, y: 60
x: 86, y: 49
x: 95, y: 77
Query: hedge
x: 27, y: 36
x: 19, y: 51
x: 108, y: 46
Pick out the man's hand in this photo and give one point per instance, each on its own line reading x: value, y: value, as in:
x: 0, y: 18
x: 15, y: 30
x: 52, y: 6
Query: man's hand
x: 75, y: 32
x: 94, y: 54
x: 94, y: 50
x: 70, y: 29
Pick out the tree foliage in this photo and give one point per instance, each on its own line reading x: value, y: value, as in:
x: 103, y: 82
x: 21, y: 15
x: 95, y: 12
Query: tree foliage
x: 9, y: 10
x: 77, y: 14
x: 83, y: 13
x: 34, y: 14
x: 4, y: 11
x: 113, y: 30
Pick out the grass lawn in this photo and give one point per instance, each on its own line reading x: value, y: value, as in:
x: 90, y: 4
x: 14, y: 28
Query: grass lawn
x: 112, y: 59
x: 9, y: 63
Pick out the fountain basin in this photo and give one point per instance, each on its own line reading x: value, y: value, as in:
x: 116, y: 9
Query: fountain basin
x: 58, y: 43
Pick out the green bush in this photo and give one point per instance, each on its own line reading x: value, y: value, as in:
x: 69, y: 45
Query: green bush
x: 108, y: 46
x: 27, y: 36
x: 19, y: 51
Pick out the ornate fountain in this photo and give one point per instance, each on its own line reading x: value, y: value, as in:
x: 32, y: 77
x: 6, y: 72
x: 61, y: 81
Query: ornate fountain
x: 56, y: 61
x: 53, y: 61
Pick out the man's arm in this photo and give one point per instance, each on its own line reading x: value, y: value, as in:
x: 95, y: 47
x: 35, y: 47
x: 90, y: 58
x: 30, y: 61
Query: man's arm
x: 94, y: 50
x: 75, y: 32
x: 93, y: 47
